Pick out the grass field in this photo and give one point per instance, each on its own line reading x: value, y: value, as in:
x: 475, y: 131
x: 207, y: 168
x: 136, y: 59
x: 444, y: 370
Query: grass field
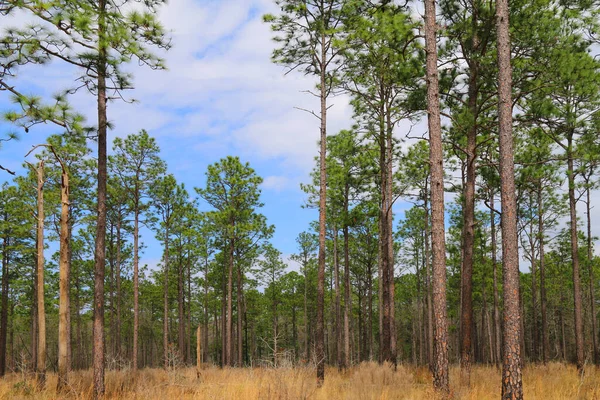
x: 366, y: 381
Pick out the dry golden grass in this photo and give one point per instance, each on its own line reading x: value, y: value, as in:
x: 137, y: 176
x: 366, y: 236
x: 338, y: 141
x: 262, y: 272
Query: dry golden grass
x: 364, y: 382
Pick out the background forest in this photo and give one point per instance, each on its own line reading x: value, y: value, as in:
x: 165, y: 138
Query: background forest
x: 77, y: 292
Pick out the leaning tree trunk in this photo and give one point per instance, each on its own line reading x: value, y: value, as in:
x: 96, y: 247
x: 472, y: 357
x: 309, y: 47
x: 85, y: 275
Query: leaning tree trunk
x: 41, y: 313
x: 512, y: 384
x: 438, y: 241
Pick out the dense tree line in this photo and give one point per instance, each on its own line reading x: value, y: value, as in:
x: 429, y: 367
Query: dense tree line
x: 492, y: 262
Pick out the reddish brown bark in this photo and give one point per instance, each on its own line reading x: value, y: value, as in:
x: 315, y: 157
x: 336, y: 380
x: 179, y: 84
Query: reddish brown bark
x: 100, y: 248
x: 438, y: 241
x: 512, y: 384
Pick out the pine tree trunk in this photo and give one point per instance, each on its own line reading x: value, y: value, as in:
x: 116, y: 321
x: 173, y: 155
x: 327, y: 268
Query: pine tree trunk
x: 545, y: 333
x: 229, y: 316
x: 306, y: 333
x: 189, y: 309
x: 240, y: 288
x: 166, y: 302
x: 468, y: 236
x: 99, y: 253
x: 390, y: 239
x: 438, y: 241
x: 205, y: 336
x: 320, y: 339
x: 41, y: 313
x: 338, y: 313
x: 180, y: 308
x: 347, y: 305
x: 535, y: 331
x: 4, y: 315
x: 592, y: 282
x: 429, y: 281
x: 64, y: 306
x: 117, y: 332
x: 136, y: 284
x: 575, y: 258
x: 512, y: 384
x: 497, y: 326
x: 198, y: 352
x: 34, y: 315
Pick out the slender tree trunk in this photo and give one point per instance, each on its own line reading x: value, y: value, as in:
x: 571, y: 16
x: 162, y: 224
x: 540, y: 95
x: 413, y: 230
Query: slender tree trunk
x: 512, y: 384
x: 545, y: 335
x: 64, y: 306
x: 320, y: 339
x: 497, y: 326
x: 370, y: 310
x: 430, y: 359
x: 41, y: 313
x: 205, y: 336
x: 380, y: 290
x: 347, y: 305
x: 229, y: 316
x: 34, y: 315
x: 468, y: 236
x: 99, y: 253
x: 575, y: 258
x: 535, y: 332
x: 306, y: 333
x: 224, y: 317
x: 338, y: 313
x: 4, y: 316
x: 390, y: 239
x: 189, y: 308
x: 385, y: 334
x: 275, y: 325
x: 592, y: 281
x: 240, y: 288
x: 136, y: 284
x: 198, y: 352
x: 117, y: 332
x: 166, y: 302
x: 180, y: 307
x: 69, y: 263
x: 438, y: 241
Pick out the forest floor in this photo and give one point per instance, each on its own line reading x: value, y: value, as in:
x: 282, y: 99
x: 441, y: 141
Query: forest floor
x: 366, y: 381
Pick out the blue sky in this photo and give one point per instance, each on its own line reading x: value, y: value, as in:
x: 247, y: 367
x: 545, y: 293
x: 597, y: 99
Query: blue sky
x: 221, y: 95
